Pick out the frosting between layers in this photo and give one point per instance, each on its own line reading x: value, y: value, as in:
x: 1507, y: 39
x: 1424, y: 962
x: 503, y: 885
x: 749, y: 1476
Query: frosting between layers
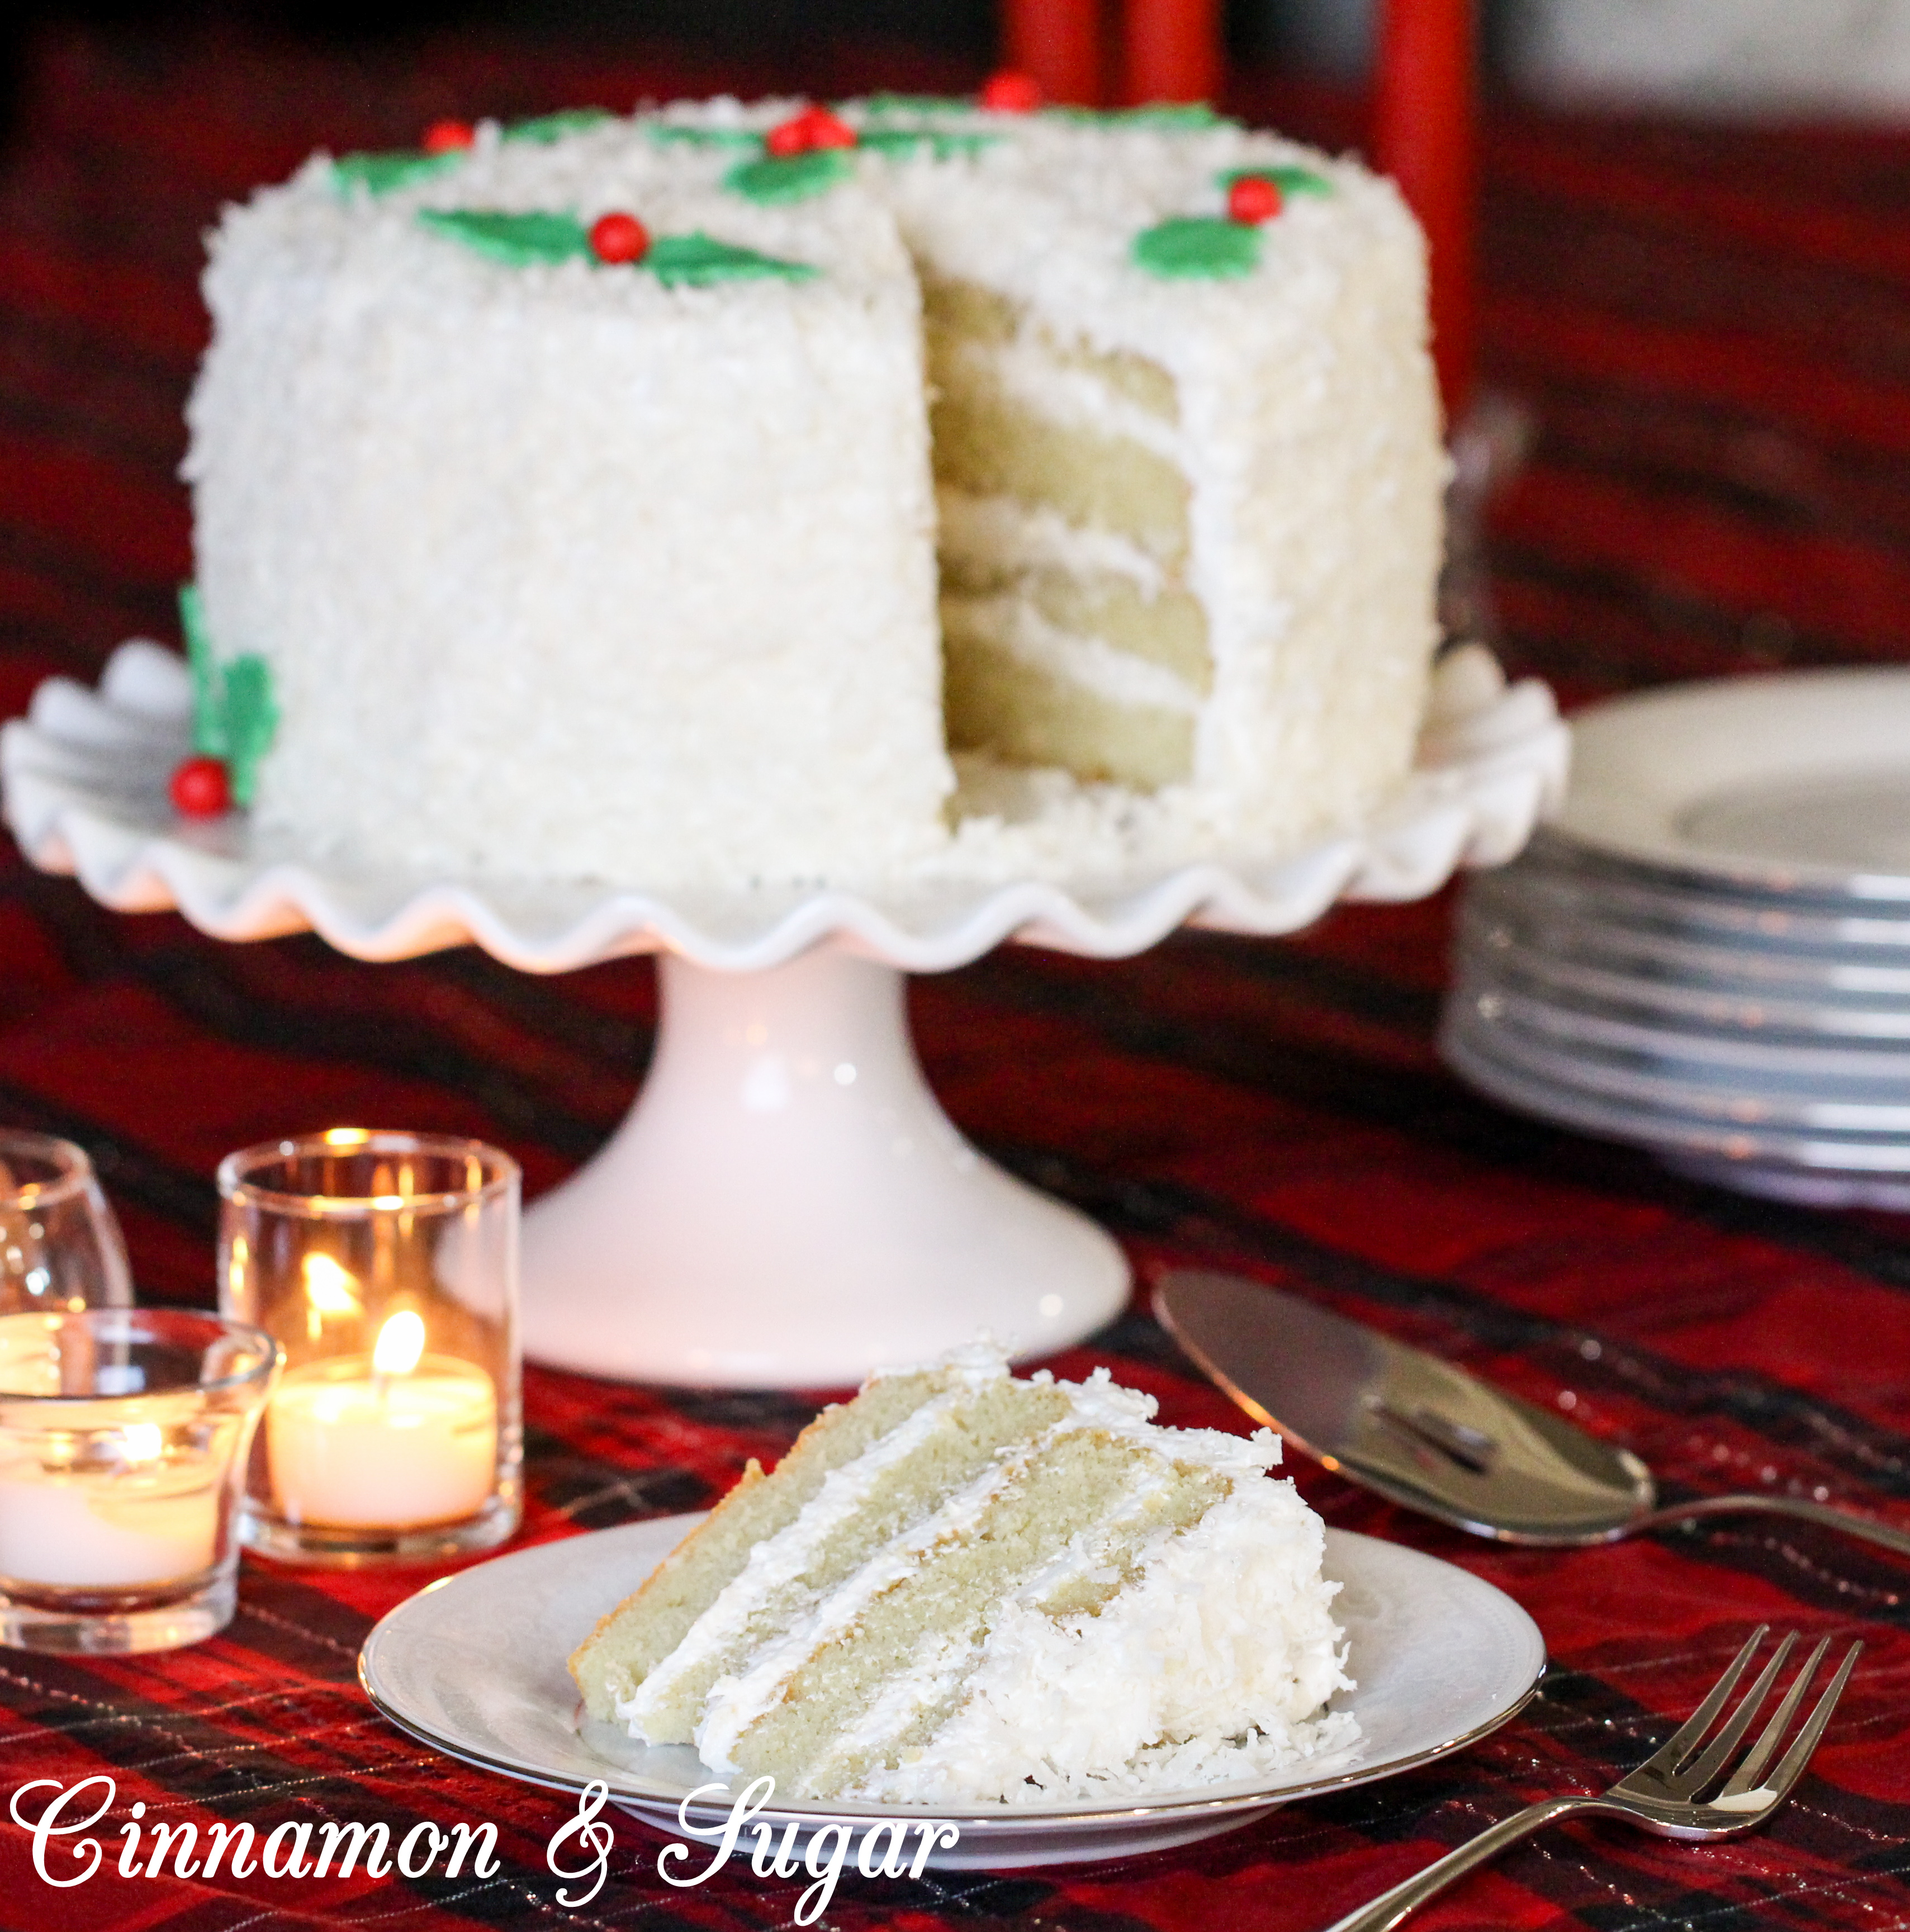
x: 1013, y: 535
x: 1118, y: 676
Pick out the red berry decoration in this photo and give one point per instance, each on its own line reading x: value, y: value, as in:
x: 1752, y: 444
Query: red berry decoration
x: 1253, y: 199
x: 619, y: 238
x: 199, y: 789
x: 447, y: 137
x: 814, y: 127
x: 1008, y: 92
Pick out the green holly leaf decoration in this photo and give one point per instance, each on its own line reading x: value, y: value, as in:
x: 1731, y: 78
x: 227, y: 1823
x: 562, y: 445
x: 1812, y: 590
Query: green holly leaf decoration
x: 234, y: 715
x: 517, y: 241
x: 381, y: 174
x: 545, y: 128
x: 1181, y: 117
x: 674, y: 134
x: 522, y: 240
x: 774, y: 179
x: 945, y: 143
x: 1289, y: 180
x: 1199, y: 248
x: 697, y: 260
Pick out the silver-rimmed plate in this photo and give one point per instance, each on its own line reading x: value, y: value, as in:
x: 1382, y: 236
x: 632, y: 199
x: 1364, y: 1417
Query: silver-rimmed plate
x: 1618, y: 994
x: 1796, y: 783
x: 1745, y: 1133
x: 474, y: 1666
x: 1696, y: 1091
x: 1644, y: 902
x: 1853, y: 1067
x: 1744, y: 970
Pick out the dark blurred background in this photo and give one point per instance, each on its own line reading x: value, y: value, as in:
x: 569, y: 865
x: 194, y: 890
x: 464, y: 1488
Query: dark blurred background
x: 1696, y: 293
x: 770, y: 43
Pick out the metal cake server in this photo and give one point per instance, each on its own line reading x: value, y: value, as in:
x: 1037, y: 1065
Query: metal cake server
x: 1429, y: 1435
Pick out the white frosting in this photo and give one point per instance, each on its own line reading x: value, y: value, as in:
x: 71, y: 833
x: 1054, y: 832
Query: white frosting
x: 559, y: 570
x: 1093, y: 663
x: 1047, y: 385
x: 1002, y: 531
x: 1211, y: 1664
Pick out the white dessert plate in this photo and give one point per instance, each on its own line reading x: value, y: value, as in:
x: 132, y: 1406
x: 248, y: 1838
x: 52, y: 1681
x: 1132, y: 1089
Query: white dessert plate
x: 1751, y: 920
x: 1550, y: 973
x: 1747, y: 1129
x: 1795, y: 783
x: 1592, y: 986
x: 1688, y: 964
x: 474, y: 1666
x: 1858, y: 1067
x: 85, y: 774
x: 1699, y: 1092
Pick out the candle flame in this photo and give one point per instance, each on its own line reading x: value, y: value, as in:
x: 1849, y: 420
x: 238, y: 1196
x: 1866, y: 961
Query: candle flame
x: 401, y: 1345
x: 329, y: 1289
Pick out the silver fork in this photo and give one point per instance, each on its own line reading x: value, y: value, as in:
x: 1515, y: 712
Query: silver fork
x: 1667, y: 1793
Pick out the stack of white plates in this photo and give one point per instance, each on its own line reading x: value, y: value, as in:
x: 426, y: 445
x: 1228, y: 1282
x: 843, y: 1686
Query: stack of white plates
x: 1708, y: 953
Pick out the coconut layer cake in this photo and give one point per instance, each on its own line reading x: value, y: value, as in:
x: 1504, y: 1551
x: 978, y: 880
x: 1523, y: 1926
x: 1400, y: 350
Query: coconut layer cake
x: 969, y: 496
x: 966, y: 1587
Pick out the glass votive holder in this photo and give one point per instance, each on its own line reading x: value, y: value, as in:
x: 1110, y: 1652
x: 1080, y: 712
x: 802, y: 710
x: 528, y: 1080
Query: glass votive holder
x: 124, y: 1435
x: 60, y: 1245
x: 385, y: 1266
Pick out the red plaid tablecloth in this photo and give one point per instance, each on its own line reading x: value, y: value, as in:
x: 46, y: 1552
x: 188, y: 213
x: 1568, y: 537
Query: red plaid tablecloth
x: 1714, y: 331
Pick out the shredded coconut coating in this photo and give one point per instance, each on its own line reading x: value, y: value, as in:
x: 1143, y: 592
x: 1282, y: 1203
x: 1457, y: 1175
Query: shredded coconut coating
x: 1211, y: 1665
x: 561, y: 572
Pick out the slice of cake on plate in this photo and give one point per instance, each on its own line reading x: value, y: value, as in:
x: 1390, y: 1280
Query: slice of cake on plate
x: 965, y: 1587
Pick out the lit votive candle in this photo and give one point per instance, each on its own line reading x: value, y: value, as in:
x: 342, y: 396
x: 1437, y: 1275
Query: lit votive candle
x: 145, y: 1518
x: 390, y: 1440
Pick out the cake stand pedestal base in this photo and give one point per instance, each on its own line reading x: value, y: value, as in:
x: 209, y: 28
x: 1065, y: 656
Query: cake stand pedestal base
x: 786, y: 1204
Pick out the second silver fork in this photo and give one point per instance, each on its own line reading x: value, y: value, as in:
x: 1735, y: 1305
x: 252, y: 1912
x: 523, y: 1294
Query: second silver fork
x: 1668, y: 1793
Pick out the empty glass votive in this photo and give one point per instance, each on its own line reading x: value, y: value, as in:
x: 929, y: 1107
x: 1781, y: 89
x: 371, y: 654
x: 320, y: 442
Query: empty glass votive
x: 385, y: 1266
x: 124, y: 1434
x: 60, y: 1247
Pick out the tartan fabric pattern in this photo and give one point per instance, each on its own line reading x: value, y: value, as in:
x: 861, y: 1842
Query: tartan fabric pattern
x: 1713, y: 329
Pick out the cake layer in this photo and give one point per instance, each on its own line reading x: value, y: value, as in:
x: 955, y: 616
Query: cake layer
x: 1022, y: 690
x: 987, y: 443
x: 900, y: 1480
x: 958, y: 312
x: 897, y: 1727
x: 1213, y: 1662
x: 629, y: 1642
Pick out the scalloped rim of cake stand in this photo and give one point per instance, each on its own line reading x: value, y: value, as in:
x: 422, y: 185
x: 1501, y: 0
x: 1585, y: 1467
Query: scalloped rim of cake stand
x: 85, y: 773
x: 786, y: 1204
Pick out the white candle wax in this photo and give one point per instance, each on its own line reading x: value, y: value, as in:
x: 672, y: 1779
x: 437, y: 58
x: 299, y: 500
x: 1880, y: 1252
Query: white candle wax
x: 351, y: 1449
x: 108, y: 1529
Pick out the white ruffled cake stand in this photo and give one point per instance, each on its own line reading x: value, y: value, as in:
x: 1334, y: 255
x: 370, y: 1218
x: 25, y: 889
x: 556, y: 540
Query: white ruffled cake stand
x: 786, y: 1204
